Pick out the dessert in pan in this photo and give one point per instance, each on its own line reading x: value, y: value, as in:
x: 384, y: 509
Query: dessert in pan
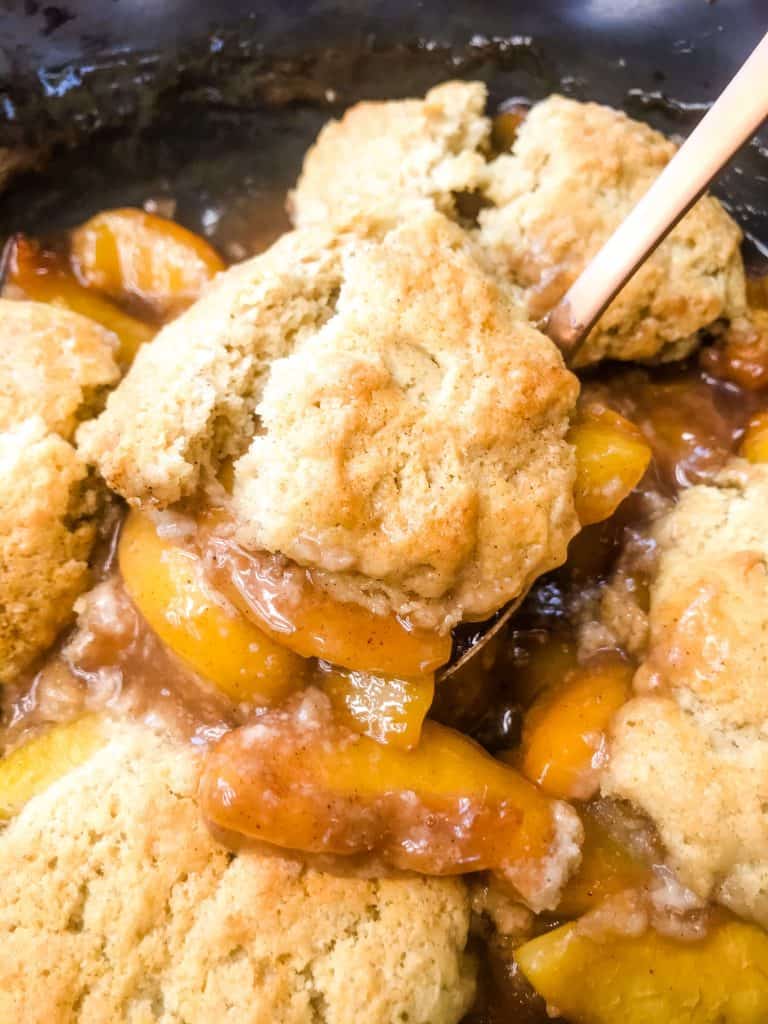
x: 248, y: 509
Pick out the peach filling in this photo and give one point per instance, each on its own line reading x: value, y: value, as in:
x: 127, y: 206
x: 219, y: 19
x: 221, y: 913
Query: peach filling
x: 565, y: 729
x: 754, y: 445
x: 165, y: 581
x: 637, y: 979
x: 298, y: 779
x: 386, y: 709
x: 43, y: 276
x: 129, y: 254
x: 611, y: 458
x: 39, y: 762
x: 607, y: 868
x: 284, y: 602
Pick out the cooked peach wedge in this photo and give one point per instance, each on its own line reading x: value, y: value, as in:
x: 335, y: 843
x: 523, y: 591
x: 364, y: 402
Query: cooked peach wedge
x: 43, y: 276
x: 164, y: 581
x: 620, y: 979
x: 611, y: 458
x: 315, y: 625
x: 32, y: 767
x: 754, y: 444
x: 607, y: 868
x: 564, y: 732
x: 386, y: 709
x: 129, y: 254
x: 441, y: 808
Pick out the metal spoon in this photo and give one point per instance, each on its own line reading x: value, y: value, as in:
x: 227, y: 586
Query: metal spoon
x: 733, y: 119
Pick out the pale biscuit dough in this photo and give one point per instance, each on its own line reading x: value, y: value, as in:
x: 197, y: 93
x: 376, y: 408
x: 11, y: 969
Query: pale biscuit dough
x: 410, y: 443
x: 54, y: 366
x: 118, y: 907
x: 190, y: 397
x: 53, y: 363
x: 691, y: 749
x: 575, y: 171
x: 47, y: 527
x: 396, y: 157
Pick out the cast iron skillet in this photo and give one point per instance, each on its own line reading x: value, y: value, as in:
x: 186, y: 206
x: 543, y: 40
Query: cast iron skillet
x: 214, y: 101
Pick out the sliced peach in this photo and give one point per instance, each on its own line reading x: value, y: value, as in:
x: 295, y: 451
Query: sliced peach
x: 298, y: 614
x: 386, y: 709
x: 34, y: 766
x: 721, y: 979
x: 130, y: 254
x: 757, y: 292
x: 506, y: 126
x: 740, y: 355
x: 607, y: 868
x: 611, y: 458
x: 35, y: 274
x: 564, y: 732
x: 164, y: 581
x: 301, y: 781
x: 754, y: 445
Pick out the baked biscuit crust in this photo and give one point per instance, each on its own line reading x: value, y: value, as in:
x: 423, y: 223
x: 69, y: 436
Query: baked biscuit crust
x: 690, y: 749
x: 54, y: 366
x: 396, y: 158
x: 575, y: 171
x: 47, y: 528
x: 410, y: 444
x: 118, y: 906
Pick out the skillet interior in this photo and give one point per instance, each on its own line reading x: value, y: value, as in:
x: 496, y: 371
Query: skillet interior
x: 215, y: 103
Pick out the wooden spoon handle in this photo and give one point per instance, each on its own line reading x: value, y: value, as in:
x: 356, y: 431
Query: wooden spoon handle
x: 727, y: 125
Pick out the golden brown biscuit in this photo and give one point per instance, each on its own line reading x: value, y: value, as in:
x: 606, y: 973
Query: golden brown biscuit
x: 396, y: 158
x: 575, y: 171
x: 190, y: 396
x: 410, y: 443
x: 54, y: 367
x: 691, y: 748
x: 47, y: 527
x: 118, y: 907
x: 53, y: 363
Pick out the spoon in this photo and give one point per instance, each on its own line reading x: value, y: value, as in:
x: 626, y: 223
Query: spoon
x: 733, y: 118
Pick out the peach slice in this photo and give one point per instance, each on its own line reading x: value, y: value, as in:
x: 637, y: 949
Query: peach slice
x: 299, y: 780
x: 607, y: 868
x: 386, y: 709
x: 129, y: 254
x: 564, y: 732
x: 35, y: 274
x: 611, y: 458
x: 648, y: 978
x: 32, y: 767
x: 754, y: 445
x: 165, y: 582
x: 297, y: 613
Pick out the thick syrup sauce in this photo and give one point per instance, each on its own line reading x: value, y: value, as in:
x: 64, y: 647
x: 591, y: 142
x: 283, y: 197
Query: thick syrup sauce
x: 693, y: 415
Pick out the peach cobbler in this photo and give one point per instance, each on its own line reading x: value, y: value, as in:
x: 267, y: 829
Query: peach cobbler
x: 256, y: 518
